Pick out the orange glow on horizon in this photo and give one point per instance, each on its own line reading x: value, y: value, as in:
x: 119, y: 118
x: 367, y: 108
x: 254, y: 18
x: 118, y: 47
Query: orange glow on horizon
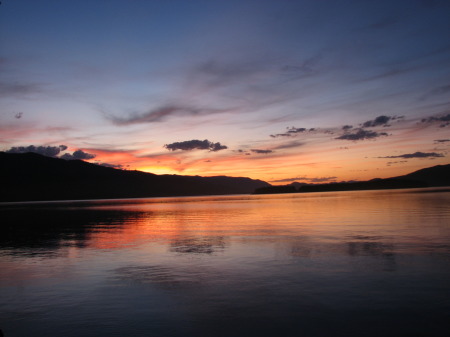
x: 340, y: 167
x: 318, y: 157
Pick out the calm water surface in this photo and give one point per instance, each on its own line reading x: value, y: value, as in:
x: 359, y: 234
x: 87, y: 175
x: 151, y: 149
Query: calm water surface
x: 370, y: 263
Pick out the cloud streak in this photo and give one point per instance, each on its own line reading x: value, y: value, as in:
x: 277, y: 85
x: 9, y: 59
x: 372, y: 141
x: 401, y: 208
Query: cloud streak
x: 162, y: 113
x: 289, y: 145
x: 417, y: 155
x: 442, y: 90
x: 215, y: 73
x: 311, y: 180
x: 259, y: 151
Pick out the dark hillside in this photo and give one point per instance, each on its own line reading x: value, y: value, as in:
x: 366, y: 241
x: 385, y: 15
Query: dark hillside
x: 29, y: 176
x: 434, y: 176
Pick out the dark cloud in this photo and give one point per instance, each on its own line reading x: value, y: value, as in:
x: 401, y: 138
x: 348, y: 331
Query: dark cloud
x: 78, y: 155
x: 347, y: 127
x: 217, y: 147
x: 259, y: 151
x: 445, y: 119
x: 380, y: 120
x: 162, y: 113
x: 18, y: 115
x: 442, y: 140
x: 195, y: 144
x: 303, y: 179
x: 362, y: 134
x: 417, y: 155
x: 48, y: 151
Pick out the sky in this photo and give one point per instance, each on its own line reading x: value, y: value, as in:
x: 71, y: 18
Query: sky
x: 280, y: 90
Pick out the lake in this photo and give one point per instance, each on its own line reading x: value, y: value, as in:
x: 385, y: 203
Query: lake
x: 362, y: 263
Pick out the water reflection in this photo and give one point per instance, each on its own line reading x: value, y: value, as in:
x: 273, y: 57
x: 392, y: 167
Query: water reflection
x: 42, y: 230
x: 299, y: 225
x: 162, y: 276
x: 198, y: 245
x: 370, y: 263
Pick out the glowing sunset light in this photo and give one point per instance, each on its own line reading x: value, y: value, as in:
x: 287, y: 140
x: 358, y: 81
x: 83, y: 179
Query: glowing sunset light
x: 272, y: 90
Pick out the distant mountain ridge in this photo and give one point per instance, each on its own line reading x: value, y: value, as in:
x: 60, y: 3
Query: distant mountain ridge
x: 435, y: 176
x: 33, y: 177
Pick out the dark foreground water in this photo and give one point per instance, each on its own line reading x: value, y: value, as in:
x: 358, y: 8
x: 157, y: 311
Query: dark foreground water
x: 371, y: 263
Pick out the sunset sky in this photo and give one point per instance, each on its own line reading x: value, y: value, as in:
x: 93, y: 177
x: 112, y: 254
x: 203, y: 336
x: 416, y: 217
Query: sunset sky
x: 280, y: 90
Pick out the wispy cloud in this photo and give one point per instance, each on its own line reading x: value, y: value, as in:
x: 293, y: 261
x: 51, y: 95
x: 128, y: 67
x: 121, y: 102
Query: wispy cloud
x: 215, y: 73
x: 195, y: 144
x: 306, y: 179
x: 292, y: 131
x: 308, y: 67
x: 417, y: 155
x: 441, y: 90
x: 162, y: 113
x: 289, y: 145
x: 390, y: 163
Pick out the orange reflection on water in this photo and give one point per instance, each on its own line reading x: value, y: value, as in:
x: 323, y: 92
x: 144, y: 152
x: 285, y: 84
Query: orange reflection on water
x: 325, y: 220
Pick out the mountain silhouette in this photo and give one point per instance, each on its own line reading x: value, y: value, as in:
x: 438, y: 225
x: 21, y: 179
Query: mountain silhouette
x: 33, y: 177
x: 435, y: 176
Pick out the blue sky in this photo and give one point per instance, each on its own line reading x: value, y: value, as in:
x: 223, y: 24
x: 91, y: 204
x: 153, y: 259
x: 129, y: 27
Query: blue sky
x: 274, y: 83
